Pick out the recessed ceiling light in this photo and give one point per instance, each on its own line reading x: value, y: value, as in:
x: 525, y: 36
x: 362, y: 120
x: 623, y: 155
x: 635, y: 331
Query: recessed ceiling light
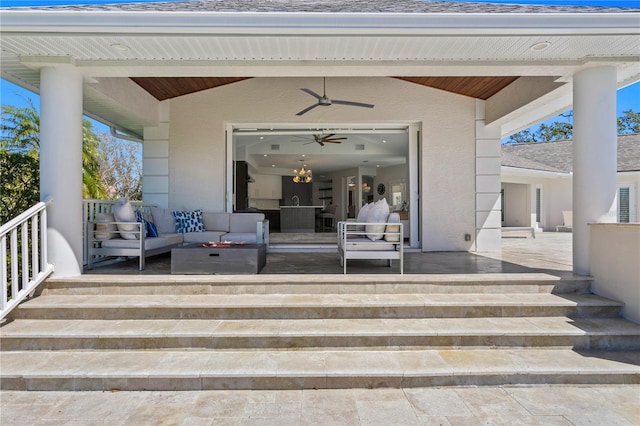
x: 120, y: 47
x: 273, y: 165
x: 540, y: 46
x: 384, y: 141
x: 264, y: 155
x: 261, y: 137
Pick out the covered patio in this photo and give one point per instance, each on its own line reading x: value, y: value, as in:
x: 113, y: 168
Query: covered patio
x: 548, y: 253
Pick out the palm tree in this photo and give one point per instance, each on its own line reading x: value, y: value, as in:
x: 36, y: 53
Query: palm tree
x: 21, y: 133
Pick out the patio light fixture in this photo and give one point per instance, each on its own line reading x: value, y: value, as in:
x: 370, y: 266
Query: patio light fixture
x: 540, y: 46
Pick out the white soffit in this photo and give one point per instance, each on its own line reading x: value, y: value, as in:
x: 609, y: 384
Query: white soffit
x: 165, y: 44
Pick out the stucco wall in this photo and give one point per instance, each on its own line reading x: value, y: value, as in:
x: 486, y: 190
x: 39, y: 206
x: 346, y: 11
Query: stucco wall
x: 197, y: 148
x: 614, y: 254
x: 632, y: 179
x: 556, y: 198
x: 516, y: 204
x: 448, y: 174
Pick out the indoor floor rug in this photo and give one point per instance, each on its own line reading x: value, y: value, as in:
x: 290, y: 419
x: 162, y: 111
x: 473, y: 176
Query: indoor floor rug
x: 302, y: 238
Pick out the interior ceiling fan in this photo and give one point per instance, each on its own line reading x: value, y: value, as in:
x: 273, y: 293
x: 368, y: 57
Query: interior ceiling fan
x: 322, y: 139
x: 325, y: 101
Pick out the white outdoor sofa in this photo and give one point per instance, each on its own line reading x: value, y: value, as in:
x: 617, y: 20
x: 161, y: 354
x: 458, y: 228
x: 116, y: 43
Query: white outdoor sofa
x: 354, y: 241
x: 105, y: 240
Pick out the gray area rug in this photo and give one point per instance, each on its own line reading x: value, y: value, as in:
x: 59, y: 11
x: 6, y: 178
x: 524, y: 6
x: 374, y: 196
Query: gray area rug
x: 302, y: 238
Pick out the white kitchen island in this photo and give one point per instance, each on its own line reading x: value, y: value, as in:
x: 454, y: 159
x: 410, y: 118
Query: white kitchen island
x: 298, y: 218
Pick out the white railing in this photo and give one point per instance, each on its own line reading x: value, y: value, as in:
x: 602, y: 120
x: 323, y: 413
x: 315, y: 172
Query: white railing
x: 23, y: 256
x: 91, y: 207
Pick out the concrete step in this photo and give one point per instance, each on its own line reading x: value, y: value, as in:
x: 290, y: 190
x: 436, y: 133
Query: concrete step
x: 309, y: 306
x: 268, y: 369
x: 362, y: 334
x: 321, y: 284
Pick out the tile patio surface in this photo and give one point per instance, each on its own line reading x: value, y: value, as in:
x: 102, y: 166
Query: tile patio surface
x: 507, y: 405
x: 490, y: 405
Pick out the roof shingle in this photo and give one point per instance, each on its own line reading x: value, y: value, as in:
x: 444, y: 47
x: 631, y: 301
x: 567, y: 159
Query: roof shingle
x: 558, y: 156
x: 336, y: 6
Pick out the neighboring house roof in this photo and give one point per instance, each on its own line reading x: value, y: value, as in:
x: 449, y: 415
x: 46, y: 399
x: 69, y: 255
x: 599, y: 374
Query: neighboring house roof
x: 337, y: 6
x: 558, y: 156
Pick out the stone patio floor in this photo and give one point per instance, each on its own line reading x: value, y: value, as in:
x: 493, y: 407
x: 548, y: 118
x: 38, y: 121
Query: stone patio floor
x: 506, y: 405
x: 492, y: 405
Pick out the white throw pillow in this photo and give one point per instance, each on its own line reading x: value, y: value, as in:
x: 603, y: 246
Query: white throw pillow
x: 377, y: 217
x: 362, y: 215
x: 104, y: 230
x: 393, y: 225
x: 123, y: 212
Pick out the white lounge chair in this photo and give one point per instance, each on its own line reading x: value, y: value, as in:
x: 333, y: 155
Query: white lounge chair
x: 567, y: 219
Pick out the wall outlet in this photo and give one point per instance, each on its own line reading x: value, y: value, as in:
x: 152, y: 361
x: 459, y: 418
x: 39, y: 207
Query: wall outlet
x: 467, y: 237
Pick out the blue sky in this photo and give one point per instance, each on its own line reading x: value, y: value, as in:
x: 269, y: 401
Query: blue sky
x: 612, y: 3
x: 628, y: 98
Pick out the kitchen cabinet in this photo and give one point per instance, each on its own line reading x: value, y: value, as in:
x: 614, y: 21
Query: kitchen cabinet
x: 268, y: 187
x: 298, y: 218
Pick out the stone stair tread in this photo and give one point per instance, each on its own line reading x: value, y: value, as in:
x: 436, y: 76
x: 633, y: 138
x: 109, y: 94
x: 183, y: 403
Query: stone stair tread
x: 481, y: 279
x: 252, y: 332
x: 313, y: 300
x: 287, y: 283
x: 271, y: 363
x: 153, y: 329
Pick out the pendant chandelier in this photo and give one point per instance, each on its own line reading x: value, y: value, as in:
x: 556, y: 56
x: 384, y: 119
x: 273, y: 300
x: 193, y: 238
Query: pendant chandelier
x: 302, y: 175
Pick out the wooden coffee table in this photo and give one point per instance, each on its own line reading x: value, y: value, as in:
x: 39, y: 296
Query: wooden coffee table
x: 235, y: 259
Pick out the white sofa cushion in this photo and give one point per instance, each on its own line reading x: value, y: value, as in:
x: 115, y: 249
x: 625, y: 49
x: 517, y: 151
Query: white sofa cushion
x: 105, y: 231
x: 240, y: 237
x: 216, y: 221
x: 365, y: 244
x: 172, y: 238
x: 377, y: 220
x: 164, y: 221
x: 123, y: 212
x: 149, y: 243
x: 204, y: 237
x: 393, y: 225
x: 245, y: 222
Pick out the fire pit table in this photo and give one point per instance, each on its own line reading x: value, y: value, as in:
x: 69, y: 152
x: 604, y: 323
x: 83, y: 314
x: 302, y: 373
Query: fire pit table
x: 218, y: 258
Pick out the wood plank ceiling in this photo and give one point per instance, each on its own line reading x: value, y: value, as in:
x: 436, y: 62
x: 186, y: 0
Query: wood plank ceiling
x: 163, y: 88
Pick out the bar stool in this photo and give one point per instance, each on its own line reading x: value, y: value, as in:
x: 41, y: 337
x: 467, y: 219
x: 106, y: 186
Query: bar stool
x: 328, y: 217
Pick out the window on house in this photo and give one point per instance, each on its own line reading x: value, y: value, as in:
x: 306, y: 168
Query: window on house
x: 623, y: 205
x: 538, y: 204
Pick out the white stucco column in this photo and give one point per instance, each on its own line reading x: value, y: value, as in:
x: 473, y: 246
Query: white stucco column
x: 61, y: 165
x: 594, y: 157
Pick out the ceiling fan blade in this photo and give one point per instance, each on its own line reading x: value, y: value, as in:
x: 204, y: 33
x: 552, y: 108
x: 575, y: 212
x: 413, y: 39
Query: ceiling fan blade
x: 358, y: 104
x: 334, y: 139
x: 312, y: 93
x: 304, y: 111
x: 330, y: 141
